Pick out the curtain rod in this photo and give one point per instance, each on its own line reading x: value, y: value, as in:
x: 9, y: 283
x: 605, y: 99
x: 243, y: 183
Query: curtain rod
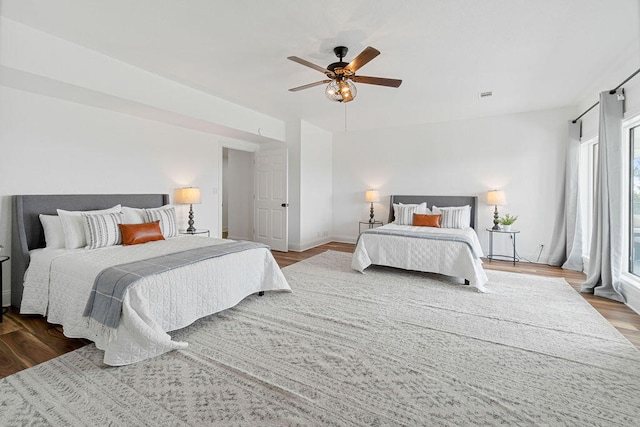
x: 612, y: 91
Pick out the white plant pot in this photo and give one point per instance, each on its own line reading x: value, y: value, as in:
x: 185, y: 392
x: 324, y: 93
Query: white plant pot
x: 506, y: 227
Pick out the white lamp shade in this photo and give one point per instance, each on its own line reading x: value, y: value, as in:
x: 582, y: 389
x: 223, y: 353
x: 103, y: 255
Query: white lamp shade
x: 496, y: 198
x: 372, y: 196
x: 188, y: 195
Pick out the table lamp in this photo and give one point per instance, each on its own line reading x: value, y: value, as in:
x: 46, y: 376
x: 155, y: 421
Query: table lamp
x: 371, y: 196
x: 496, y: 198
x: 189, y: 196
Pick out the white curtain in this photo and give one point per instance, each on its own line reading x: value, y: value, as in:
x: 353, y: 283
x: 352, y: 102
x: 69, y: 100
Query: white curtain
x: 605, y: 256
x: 566, y: 245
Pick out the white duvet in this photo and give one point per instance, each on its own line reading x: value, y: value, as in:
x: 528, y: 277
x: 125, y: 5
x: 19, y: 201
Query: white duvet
x: 58, y: 282
x: 450, y: 258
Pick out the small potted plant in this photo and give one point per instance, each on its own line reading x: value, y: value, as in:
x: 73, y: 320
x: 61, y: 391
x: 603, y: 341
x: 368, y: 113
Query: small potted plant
x: 506, y: 221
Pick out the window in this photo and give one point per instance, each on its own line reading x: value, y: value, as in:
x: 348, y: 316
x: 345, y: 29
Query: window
x: 634, y: 201
x: 588, y: 165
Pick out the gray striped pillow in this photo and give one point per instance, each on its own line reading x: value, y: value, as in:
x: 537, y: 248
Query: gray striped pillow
x: 102, y: 230
x: 403, y: 214
x: 454, y: 217
x: 167, y: 217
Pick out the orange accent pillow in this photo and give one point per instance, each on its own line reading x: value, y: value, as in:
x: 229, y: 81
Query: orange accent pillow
x: 423, y: 220
x: 134, y: 234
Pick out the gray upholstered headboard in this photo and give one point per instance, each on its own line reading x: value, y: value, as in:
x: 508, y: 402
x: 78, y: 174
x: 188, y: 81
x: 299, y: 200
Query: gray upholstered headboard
x: 440, y: 201
x: 28, y: 234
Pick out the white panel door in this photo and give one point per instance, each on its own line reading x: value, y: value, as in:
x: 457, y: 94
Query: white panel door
x: 271, y: 194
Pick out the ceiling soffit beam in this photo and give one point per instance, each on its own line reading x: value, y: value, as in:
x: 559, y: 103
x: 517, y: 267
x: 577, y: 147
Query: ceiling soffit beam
x: 53, y: 66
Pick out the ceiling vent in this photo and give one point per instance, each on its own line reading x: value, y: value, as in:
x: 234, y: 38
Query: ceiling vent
x: 485, y: 94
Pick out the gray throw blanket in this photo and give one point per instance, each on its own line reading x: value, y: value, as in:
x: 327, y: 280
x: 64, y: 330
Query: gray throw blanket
x: 432, y: 236
x: 105, y: 301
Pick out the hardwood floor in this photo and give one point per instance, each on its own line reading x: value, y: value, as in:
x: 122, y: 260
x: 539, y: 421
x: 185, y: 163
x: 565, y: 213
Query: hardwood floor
x: 27, y: 340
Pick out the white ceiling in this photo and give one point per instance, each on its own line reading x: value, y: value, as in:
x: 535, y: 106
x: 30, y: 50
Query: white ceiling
x: 533, y: 54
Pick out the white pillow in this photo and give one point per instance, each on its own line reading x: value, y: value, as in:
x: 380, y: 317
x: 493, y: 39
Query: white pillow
x: 167, y: 217
x: 53, y: 232
x: 74, y: 235
x: 454, y: 216
x: 403, y: 214
x: 134, y: 215
x: 102, y: 230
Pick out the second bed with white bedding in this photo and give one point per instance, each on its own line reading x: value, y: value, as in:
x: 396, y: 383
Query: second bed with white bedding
x: 453, y: 250
x: 423, y: 249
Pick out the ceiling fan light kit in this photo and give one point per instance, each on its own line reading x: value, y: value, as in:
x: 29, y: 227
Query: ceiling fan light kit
x: 341, y: 90
x: 341, y: 75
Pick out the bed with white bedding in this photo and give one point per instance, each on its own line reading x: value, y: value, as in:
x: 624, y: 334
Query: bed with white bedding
x: 453, y: 252
x: 58, y: 282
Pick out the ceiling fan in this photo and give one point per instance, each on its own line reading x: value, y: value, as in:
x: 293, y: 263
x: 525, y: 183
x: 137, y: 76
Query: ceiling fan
x: 341, y: 75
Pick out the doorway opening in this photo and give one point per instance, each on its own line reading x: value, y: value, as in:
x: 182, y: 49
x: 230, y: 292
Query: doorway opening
x: 237, y: 194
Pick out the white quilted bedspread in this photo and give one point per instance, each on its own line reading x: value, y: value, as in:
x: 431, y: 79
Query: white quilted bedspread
x: 450, y: 258
x: 58, y: 283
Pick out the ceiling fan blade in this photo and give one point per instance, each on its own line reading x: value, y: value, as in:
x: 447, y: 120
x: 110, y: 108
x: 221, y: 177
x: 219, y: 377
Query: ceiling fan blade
x: 377, y: 81
x: 295, y: 89
x: 364, y: 57
x: 311, y: 65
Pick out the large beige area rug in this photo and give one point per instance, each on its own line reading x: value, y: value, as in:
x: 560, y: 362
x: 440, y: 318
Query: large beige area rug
x: 384, y: 348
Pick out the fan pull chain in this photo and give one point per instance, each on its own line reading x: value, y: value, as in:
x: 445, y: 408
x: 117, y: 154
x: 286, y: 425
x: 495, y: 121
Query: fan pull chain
x: 345, y: 117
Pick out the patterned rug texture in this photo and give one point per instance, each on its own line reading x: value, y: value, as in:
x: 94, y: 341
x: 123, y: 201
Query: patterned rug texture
x: 387, y: 347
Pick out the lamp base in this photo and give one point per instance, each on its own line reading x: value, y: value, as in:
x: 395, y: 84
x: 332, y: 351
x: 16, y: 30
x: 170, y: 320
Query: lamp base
x: 191, y: 228
x: 371, y: 220
x: 496, y: 221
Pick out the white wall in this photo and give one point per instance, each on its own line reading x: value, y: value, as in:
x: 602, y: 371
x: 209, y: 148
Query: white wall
x: 310, y: 184
x: 293, y: 139
x: 225, y: 190
x: 522, y: 154
x: 240, y: 199
x: 316, y: 207
x: 51, y: 146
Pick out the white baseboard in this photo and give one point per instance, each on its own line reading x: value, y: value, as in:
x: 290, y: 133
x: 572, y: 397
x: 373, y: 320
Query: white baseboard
x: 631, y: 292
x: 344, y: 239
x: 533, y: 258
x: 301, y: 247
